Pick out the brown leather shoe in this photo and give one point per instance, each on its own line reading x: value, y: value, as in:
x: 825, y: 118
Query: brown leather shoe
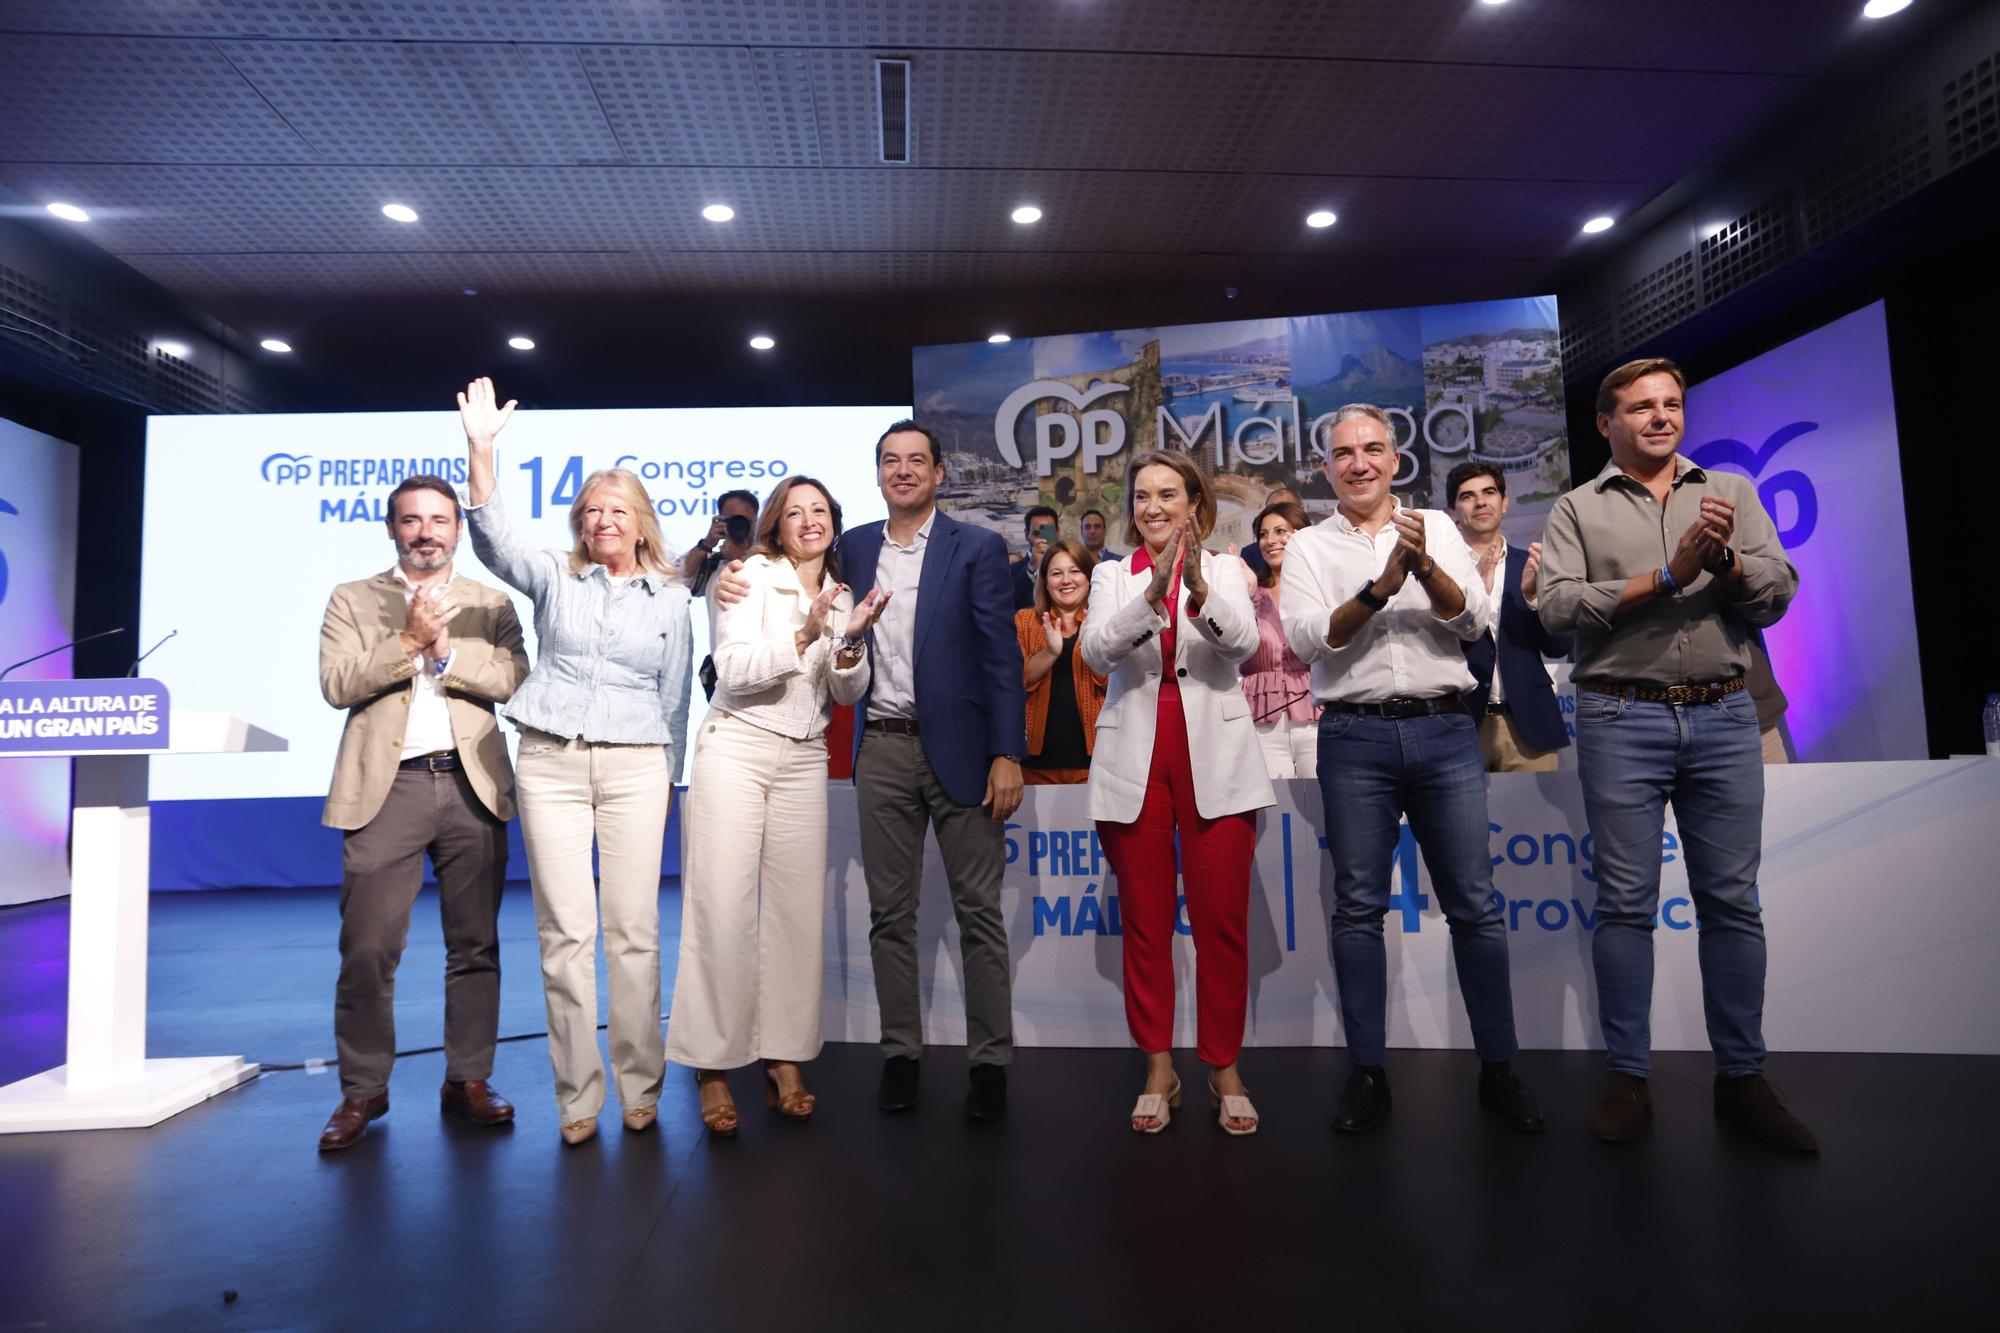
x: 1624, y: 1110
x: 1754, y: 1106
x: 477, y: 1101
x: 349, y: 1121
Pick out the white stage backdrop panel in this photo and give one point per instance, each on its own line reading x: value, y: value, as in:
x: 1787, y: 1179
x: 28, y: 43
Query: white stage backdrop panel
x: 1877, y: 888
x: 252, y: 520
x: 38, y: 477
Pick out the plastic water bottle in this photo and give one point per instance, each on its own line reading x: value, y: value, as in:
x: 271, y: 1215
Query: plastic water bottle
x: 1991, y: 717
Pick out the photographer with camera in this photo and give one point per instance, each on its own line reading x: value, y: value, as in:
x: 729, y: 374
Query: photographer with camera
x: 729, y: 538
x: 1027, y: 571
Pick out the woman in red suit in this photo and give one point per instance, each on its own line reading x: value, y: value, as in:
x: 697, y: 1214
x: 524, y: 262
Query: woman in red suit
x: 1169, y: 627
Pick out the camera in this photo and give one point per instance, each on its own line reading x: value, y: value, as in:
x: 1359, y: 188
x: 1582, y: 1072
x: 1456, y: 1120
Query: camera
x: 738, y: 528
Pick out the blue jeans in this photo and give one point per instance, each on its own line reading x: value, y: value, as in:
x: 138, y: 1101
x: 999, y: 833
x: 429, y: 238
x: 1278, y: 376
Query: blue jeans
x: 1371, y: 772
x: 1633, y: 757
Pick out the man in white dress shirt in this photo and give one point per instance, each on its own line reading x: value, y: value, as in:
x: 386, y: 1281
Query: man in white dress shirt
x: 1379, y: 599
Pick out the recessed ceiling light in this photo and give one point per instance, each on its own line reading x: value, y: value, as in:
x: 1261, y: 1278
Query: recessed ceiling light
x: 275, y: 345
x: 1595, y: 225
x: 718, y: 212
x: 520, y: 344
x: 999, y: 337
x: 172, y: 349
x: 399, y: 213
x: 1026, y: 214
x: 69, y: 212
x: 1322, y: 218
x: 763, y: 343
x: 1881, y: 9
x: 1492, y: 2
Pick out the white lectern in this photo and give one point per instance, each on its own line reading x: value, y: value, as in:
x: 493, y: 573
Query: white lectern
x: 108, y: 1083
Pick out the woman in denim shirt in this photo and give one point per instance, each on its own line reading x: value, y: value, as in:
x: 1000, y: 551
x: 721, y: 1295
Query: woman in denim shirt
x: 603, y: 719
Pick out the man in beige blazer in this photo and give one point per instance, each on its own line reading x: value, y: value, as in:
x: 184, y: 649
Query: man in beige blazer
x: 419, y: 657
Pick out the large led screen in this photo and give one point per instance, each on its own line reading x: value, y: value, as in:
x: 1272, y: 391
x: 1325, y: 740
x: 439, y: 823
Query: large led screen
x: 252, y: 520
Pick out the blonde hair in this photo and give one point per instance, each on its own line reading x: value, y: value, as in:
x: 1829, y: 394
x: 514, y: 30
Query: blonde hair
x: 651, y: 551
x: 1201, y: 499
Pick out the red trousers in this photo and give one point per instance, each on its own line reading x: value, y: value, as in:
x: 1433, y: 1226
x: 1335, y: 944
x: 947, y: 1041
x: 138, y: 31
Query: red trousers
x: 1215, y: 859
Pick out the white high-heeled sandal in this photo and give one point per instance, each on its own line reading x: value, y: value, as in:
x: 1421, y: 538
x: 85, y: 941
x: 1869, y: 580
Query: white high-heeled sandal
x: 1231, y: 1107
x: 1155, y: 1106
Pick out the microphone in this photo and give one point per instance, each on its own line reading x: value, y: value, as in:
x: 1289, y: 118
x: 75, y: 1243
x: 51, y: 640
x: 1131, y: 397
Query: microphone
x: 133, y: 670
x: 101, y: 634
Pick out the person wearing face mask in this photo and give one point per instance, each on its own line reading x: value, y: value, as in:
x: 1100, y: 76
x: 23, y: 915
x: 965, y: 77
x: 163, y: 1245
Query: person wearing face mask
x: 1064, y: 694
x: 1169, y: 628
x: 1277, y: 683
x: 753, y: 869
x: 603, y: 719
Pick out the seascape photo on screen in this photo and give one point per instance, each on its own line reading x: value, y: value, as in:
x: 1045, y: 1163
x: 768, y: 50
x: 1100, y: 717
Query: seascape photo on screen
x: 1056, y: 420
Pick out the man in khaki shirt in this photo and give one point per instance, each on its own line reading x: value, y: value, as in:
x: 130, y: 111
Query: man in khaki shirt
x: 418, y: 658
x: 1663, y: 571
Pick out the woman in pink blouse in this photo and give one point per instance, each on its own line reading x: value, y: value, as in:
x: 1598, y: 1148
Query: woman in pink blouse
x: 1278, y: 684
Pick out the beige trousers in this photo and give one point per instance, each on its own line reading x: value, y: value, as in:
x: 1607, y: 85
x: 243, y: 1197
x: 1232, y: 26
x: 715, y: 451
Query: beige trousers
x: 571, y: 793
x: 1500, y: 745
x: 753, y: 899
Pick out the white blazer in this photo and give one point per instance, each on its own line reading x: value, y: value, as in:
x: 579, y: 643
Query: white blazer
x: 1120, y: 640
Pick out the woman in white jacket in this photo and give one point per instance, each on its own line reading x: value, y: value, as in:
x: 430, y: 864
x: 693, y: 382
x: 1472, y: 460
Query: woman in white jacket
x: 753, y: 828
x: 1169, y: 626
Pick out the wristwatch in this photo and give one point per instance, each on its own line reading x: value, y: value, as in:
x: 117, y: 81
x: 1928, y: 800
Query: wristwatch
x: 1369, y: 598
x: 846, y: 645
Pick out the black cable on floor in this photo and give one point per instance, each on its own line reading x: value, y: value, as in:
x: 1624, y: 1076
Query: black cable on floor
x: 314, y: 1066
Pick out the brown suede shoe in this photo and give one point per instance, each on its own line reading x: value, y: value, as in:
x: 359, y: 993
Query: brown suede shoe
x: 349, y: 1121
x: 1754, y: 1106
x: 1624, y: 1110
x: 477, y: 1101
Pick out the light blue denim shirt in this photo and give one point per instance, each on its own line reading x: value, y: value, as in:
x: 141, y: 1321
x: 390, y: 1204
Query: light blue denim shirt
x: 612, y: 664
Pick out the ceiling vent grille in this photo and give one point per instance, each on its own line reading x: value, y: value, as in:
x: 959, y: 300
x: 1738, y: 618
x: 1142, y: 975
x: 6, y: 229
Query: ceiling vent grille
x: 1972, y: 113
x: 1658, y: 301
x: 1760, y: 242
x: 1588, y: 341
x: 892, y: 92
x: 1889, y: 162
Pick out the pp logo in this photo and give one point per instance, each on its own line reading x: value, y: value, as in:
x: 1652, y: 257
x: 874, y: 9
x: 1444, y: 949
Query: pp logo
x: 1741, y: 457
x: 5, y: 508
x: 1060, y: 434
x: 287, y: 469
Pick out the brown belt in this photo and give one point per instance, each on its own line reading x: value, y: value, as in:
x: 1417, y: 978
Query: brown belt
x: 1690, y: 693
x: 896, y: 726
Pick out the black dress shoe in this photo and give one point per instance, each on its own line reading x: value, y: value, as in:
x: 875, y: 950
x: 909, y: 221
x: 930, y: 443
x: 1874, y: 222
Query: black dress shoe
x: 898, y: 1091
x: 1754, y: 1106
x: 1624, y: 1110
x: 987, y: 1099
x: 1508, y: 1100
x: 1364, y: 1102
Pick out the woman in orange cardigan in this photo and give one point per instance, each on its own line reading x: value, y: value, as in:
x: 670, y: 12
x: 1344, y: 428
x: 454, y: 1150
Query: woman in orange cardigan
x: 1063, y: 693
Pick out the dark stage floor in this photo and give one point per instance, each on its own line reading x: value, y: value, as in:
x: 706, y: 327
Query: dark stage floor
x: 1059, y: 1218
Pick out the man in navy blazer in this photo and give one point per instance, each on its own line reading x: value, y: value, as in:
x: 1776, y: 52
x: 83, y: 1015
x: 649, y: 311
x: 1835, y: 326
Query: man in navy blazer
x: 1520, y: 726
x: 939, y: 739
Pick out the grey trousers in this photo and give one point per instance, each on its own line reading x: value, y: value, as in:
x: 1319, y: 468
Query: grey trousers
x: 898, y: 797
x: 382, y: 867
